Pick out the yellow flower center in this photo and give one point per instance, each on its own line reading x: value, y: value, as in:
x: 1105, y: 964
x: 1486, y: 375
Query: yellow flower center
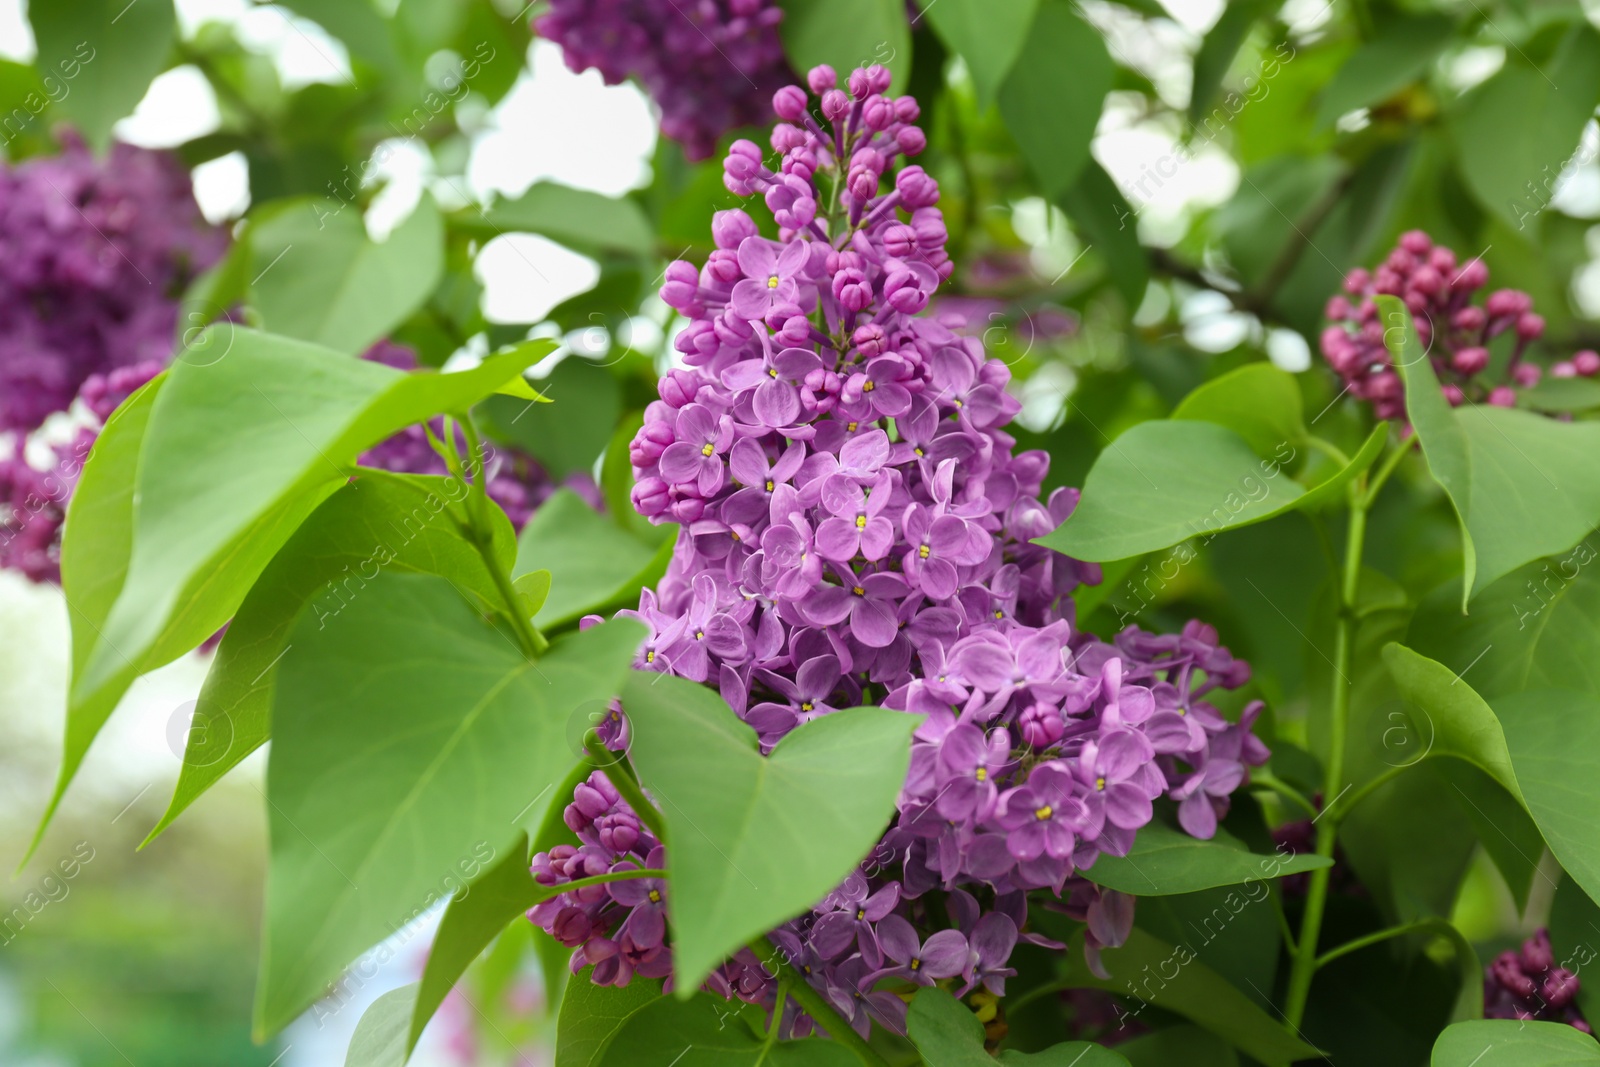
x: 1043, y: 813
x: 868, y: 387
x: 922, y: 551
x: 851, y: 426
x: 918, y: 451
x: 861, y: 522
x: 983, y: 774
x: 655, y: 896
x: 650, y: 656
x: 858, y: 591
x: 861, y: 913
x: 707, y: 449
x: 699, y: 635
x: 769, y: 485
x: 1100, y: 783
x: 772, y: 372
x: 772, y: 281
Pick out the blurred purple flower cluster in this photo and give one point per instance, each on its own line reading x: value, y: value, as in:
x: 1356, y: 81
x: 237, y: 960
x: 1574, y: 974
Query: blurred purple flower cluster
x: 1528, y: 985
x: 708, y: 64
x: 856, y: 529
x: 33, y: 499
x: 516, y: 480
x: 1453, y: 327
x: 94, y: 254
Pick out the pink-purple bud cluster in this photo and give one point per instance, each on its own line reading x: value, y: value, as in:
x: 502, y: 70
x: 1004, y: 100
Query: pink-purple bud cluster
x: 708, y: 64
x: 94, y: 254
x: 856, y: 529
x: 1529, y: 985
x: 1454, y: 328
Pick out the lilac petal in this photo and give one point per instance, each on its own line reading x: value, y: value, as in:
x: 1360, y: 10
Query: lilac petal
x: 750, y: 299
x: 898, y: 939
x: 711, y: 475
x: 757, y: 258
x: 796, y: 363
x: 866, y: 453
x: 873, y: 622
x: 827, y: 606
x: 987, y: 666
x: 749, y: 464
x: 938, y: 579
x: 1121, y: 753
x: 1197, y: 817
x: 944, y: 955
x: 838, y: 539
x: 817, y: 677
x: 776, y: 403
x: 947, y: 536
x: 988, y: 858
x: 993, y: 939
x: 647, y: 926
x: 877, y: 538
x: 1127, y: 806
x: 833, y: 933
x: 746, y: 374
x: 680, y: 462
x: 882, y: 902
x: 1110, y: 918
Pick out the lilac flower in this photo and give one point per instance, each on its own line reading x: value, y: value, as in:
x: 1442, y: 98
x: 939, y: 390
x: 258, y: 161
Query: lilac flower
x: 990, y: 944
x: 807, y: 697
x: 855, y: 524
x: 855, y: 923
x: 869, y: 602
x: 773, y: 383
x: 969, y: 766
x: 943, y: 955
x: 647, y: 897
x: 770, y: 278
x: 1044, y: 815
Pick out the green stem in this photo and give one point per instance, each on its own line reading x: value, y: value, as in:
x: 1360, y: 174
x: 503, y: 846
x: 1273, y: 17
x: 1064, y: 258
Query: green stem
x: 1372, y: 939
x: 1329, y: 449
x: 1367, y: 788
x: 1305, y: 955
x: 1283, y: 789
x: 814, y: 1003
x: 1390, y: 465
x: 602, y: 879
x: 625, y: 784
x: 528, y: 636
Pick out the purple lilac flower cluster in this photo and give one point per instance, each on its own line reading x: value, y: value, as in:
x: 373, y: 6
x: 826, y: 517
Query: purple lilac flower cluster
x: 706, y: 63
x: 1529, y: 985
x: 516, y: 480
x: 856, y: 528
x: 33, y: 500
x: 1442, y: 295
x: 94, y: 254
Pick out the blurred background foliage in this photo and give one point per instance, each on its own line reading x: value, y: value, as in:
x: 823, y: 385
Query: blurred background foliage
x: 1148, y: 195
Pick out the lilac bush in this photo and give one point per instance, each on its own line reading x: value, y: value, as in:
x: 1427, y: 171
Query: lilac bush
x: 856, y: 529
x: 708, y: 64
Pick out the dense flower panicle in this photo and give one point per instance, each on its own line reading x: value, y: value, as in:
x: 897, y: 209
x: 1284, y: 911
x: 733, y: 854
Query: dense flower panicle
x: 1529, y: 985
x: 1453, y: 327
x: 33, y: 499
x: 516, y: 481
x: 94, y: 254
x: 857, y: 529
x: 708, y: 64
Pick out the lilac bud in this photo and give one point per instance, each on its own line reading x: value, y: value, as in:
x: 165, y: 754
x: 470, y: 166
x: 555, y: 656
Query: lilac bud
x: 878, y: 78
x: 1472, y: 275
x: 899, y: 240
x: 906, y: 109
x: 1527, y: 375
x: 868, y: 340
x: 1537, y: 956
x: 1507, y: 302
x: 1563, y: 369
x: 821, y: 78
x: 786, y: 138
x: 1530, y: 326
x: 857, y: 83
x: 1453, y: 395
x: 681, y: 286
x: 916, y: 189
x: 835, y: 105
x: 1357, y: 281
x: 1503, y: 396
x: 676, y: 388
x: 1470, y: 361
x: 1416, y: 242
x: 910, y: 140
x: 1041, y: 725
x: 731, y: 226
x: 852, y: 290
x: 1426, y: 280
x: 1444, y: 261
x: 1471, y: 319
x: 1587, y: 363
x: 1338, y: 307
x: 1560, y: 987
x: 790, y: 103
x: 877, y: 113
x: 901, y: 292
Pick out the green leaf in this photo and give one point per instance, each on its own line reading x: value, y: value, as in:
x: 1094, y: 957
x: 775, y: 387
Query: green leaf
x: 1257, y: 401
x: 1523, y: 486
x: 1463, y: 725
x: 106, y: 53
x: 711, y: 1033
x: 753, y: 841
x: 1561, y: 395
x: 1107, y: 221
x: 570, y: 433
x: 380, y: 521
x: 988, y: 37
x: 476, y: 916
x: 380, y: 1037
x: 534, y: 588
x: 1189, y: 1045
x: 846, y: 34
x: 592, y: 1016
x: 1170, y: 977
x: 1400, y: 53
x: 1217, y: 53
x: 96, y: 541
x: 1508, y: 161
x: 1052, y: 98
x: 1163, y: 482
x: 594, y: 565
x: 944, y: 1031
x: 577, y: 218
x: 406, y: 739
x: 316, y: 276
x: 1165, y: 861
x: 1536, y: 628
x: 1514, y: 1043
x: 250, y: 433
x: 1574, y: 935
